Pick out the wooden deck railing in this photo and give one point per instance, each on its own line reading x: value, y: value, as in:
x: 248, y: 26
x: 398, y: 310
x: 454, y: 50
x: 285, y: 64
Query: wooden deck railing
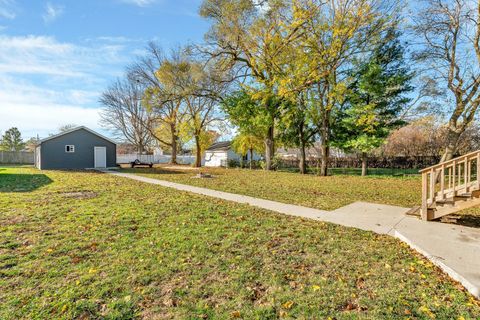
x: 449, y: 179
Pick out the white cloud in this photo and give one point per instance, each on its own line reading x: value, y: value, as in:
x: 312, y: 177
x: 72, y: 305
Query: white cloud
x: 7, y: 9
x: 140, y: 3
x: 45, y: 55
x: 52, y: 12
x: 45, y: 119
x: 45, y: 83
x: 35, y: 110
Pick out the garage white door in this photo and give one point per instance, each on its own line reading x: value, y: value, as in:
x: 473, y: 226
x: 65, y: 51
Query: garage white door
x: 100, y: 157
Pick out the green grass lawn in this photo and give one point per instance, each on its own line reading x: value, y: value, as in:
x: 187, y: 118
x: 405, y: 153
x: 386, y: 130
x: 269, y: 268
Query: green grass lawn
x: 358, y: 171
x: 326, y: 193
x: 93, y: 246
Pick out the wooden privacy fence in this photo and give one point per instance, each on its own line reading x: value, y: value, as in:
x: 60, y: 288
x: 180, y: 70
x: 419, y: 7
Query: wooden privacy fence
x: 17, y: 157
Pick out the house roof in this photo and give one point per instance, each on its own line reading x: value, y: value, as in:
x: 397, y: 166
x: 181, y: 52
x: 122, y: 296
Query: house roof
x: 220, y: 146
x: 73, y: 130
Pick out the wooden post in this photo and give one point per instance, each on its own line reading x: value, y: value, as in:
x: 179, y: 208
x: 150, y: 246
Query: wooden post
x: 442, y: 182
x: 469, y: 177
x: 450, y: 170
x: 454, y: 171
x: 459, y: 174
x: 465, y: 174
x: 432, y: 186
x: 478, y: 170
x: 424, y: 196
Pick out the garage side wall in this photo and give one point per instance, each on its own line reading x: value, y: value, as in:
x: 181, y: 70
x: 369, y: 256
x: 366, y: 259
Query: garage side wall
x: 53, y: 155
x: 215, y: 158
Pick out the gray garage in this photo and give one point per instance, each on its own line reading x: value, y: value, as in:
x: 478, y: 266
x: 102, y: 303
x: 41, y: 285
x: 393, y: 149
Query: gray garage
x: 78, y: 148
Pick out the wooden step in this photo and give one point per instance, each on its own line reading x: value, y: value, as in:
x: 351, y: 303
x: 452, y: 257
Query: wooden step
x: 452, y: 200
x: 446, y: 202
x: 451, y: 218
x: 415, y: 211
x: 440, y: 211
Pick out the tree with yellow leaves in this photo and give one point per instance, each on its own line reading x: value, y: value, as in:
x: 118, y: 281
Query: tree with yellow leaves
x: 249, y: 36
x: 332, y: 34
x: 245, y: 143
x: 157, y: 72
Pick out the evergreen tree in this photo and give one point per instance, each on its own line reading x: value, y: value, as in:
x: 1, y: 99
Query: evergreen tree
x: 12, y: 140
x: 375, y: 98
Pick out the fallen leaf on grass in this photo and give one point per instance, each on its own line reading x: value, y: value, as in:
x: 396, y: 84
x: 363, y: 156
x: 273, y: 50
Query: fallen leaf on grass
x: 288, y: 305
x: 76, y: 260
x: 427, y: 311
x: 350, y: 306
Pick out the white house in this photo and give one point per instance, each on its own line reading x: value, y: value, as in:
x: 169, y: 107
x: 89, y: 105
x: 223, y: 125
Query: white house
x: 219, y: 153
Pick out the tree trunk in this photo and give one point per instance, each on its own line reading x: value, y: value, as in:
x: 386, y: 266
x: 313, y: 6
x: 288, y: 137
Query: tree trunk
x: 173, y: 160
x: 140, y: 148
x: 251, y: 158
x: 198, y: 155
x: 269, y: 149
x: 324, y: 163
x: 325, y: 149
x: 324, y: 143
x: 451, y: 144
x: 301, y: 137
x: 364, y: 164
x: 302, y: 164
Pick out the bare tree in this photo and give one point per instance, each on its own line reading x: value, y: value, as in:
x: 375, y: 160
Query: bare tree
x: 66, y: 127
x: 451, y: 33
x: 124, y: 114
x: 166, y: 112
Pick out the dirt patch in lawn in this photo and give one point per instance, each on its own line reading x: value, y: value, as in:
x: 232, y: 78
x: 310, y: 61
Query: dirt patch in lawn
x: 173, y: 167
x: 13, y: 220
x: 79, y: 195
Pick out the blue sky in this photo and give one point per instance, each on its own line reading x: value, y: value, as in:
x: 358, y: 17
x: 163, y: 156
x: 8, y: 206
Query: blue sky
x: 56, y: 57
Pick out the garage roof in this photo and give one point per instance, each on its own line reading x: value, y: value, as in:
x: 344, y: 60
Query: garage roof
x: 220, y: 146
x: 73, y: 130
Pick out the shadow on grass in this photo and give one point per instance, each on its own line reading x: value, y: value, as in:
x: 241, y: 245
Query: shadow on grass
x: 22, y: 182
x: 469, y: 220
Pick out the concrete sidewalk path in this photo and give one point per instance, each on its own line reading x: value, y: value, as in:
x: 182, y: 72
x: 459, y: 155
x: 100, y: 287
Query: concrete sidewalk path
x: 453, y: 248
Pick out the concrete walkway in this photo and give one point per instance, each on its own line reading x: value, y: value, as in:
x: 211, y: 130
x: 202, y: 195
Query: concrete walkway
x: 453, y: 248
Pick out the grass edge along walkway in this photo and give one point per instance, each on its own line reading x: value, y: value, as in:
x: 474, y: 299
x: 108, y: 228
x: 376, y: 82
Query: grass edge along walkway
x: 440, y: 243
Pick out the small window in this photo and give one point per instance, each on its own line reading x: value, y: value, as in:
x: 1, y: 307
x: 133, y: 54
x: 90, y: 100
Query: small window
x: 69, y: 148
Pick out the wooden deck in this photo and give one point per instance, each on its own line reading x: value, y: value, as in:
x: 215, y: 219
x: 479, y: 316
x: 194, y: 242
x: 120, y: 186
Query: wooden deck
x: 450, y: 186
